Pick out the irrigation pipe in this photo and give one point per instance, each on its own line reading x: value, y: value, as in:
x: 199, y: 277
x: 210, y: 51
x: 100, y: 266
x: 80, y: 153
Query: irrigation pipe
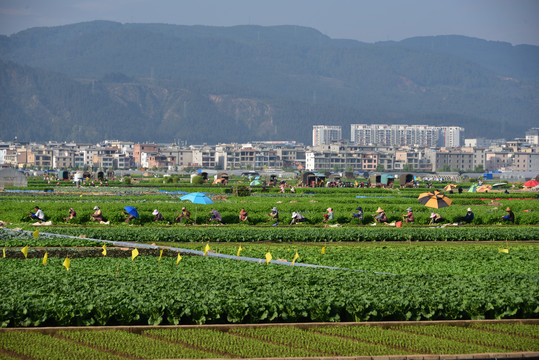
x: 201, y: 253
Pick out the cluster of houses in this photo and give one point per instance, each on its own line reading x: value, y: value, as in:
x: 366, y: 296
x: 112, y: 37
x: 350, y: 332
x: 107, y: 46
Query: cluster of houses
x: 519, y: 155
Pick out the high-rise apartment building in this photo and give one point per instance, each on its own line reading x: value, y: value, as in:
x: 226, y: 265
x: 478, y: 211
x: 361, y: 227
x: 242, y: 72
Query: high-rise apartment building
x: 325, y: 134
x: 405, y: 135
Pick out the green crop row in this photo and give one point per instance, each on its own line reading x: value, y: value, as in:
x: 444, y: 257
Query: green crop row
x: 34, y: 345
x: 108, y: 291
x: 274, y: 341
x: 23, y: 238
x: 301, y: 234
x: 141, y: 347
x: 514, y: 329
x: 397, y: 258
x: 471, y: 335
x: 419, y: 344
x: 230, y: 344
x: 329, y: 345
x: 459, y: 259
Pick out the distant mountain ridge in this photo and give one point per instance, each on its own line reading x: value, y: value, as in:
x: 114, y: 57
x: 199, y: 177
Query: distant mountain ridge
x: 155, y: 82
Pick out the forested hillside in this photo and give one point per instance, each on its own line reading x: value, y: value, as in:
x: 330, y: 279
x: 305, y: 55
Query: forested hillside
x: 153, y: 82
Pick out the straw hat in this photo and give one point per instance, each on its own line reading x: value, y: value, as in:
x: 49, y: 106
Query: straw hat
x: 294, y: 214
x: 329, y: 209
x: 96, y: 207
x: 155, y: 212
x: 379, y: 210
x: 274, y: 209
x: 508, y: 209
x: 409, y: 209
x: 183, y: 208
x: 432, y: 215
x: 469, y: 209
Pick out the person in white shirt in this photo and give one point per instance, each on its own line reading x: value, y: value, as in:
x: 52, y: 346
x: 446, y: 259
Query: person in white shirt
x: 38, y: 215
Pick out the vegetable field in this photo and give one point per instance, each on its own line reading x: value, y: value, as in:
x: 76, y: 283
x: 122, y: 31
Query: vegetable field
x: 418, y: 282
x: 317, y: 341
x: 152, y: 294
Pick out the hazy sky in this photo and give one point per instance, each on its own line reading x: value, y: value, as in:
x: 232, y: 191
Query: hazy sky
x: 514, y: 21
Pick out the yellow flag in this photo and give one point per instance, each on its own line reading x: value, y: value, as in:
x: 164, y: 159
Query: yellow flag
x: 160, y: 254
x: 4, y: 252
x: 104, y: 252
x: 134, y: 254
x: 504, y: 251
x: 323, y: 251
x: 239, y: 250
x: 36, y: 234
x: 24, y: 250
x: 67, y: 263
x: 268, y: 257
x: 178, y: 259
x: 295, y: 258
x: 206, y: 249
x: 45, y: 259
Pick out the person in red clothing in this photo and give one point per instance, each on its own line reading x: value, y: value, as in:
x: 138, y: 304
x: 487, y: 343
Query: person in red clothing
x: 409, y: 217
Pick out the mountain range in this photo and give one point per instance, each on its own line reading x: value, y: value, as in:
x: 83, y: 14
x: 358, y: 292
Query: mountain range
x: 162, y: 83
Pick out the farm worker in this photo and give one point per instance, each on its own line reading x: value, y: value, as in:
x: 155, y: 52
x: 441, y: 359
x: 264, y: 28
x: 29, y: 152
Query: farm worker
x: 409, y: 217
x: 359, y: 214
x: 158, y: 216
x: 243, y: 215
x: 274, y: 215
x: 468, y: 218
x: 38, y: 215
x: 329, y: 216
x: 435, y: 218
x: 72, y: 215
x: 186, y: 214
x: 97, y: 215
x: 460, y: 189
x: 381, y: 217
x: 128, y: 216
x: 510, y: 216
x: 216, y: 216
x: 297, y: 218
x: 282, y: 188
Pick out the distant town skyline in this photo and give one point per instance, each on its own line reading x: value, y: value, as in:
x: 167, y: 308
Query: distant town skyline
x: 513, y: 21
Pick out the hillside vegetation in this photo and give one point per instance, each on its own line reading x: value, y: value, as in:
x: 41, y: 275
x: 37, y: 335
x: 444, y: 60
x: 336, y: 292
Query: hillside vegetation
x: 155, y: 82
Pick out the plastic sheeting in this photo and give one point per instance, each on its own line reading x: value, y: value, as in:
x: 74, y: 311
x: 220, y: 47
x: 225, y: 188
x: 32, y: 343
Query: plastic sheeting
x: 201, y: 253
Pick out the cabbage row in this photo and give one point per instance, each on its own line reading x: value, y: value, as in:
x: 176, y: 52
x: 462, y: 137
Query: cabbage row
x: 300, y: 234
x: 198, y: 290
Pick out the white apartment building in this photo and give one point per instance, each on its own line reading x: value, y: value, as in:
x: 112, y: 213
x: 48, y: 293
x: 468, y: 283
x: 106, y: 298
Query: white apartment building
x: 405, y: 135
x: 532, y: 136
x: 451, y: 136
x: 325, y: 134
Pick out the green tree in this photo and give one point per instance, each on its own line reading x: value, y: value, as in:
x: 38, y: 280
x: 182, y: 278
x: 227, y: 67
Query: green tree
x: 380, y: 167
x: 198, y: 180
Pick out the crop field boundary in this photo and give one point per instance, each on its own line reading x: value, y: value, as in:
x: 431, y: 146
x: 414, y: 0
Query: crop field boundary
x: 202, y: 253
x: 224, y: 327
x: 143, y: 329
